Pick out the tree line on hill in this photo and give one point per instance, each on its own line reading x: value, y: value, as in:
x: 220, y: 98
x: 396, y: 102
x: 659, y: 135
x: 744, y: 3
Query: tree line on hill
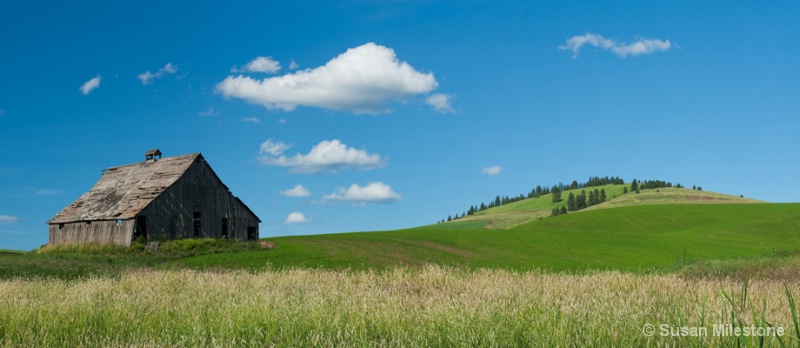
x: 574, y: 202
x: 581, y: 201
x: 654, y: 184
x: 537, y: 192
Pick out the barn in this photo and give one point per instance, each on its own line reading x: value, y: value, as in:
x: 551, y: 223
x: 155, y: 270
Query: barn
x: 157, y: 199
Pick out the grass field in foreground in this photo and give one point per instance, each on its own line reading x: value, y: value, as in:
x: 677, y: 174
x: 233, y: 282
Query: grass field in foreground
x: 635, y: 238
x: 432, y: 306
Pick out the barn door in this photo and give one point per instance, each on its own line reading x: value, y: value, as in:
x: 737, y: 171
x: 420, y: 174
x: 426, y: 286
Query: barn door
x: 140, y: 228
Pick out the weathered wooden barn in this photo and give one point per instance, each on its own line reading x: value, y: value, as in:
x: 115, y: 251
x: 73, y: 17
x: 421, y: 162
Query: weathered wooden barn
x: 158, y: 199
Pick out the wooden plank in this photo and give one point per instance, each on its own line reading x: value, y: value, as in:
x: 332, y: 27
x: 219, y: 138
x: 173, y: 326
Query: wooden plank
x: 104, y: 232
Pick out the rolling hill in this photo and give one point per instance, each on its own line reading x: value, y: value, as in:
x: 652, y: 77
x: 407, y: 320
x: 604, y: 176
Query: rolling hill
x: 6, y: 252
x: 632, y: 232
x: 517, y: 213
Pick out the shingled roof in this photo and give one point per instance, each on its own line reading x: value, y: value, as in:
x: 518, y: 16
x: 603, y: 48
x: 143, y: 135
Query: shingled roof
x: 122, y: 192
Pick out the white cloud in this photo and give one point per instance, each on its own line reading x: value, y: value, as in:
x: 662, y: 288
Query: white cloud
x: 374, y: 192
x: 293, y: 65
x: 46, y: 192
x: 88, y: 86
x: 493, y: 170
x: 260, y: 64
x: 271, y: 148
x: 622, y: 50
x: 8, y: 219
x: 209, y: 112
x: 295, y: 218
x: 282, y: 121
x: 327, y: 156
x: 441, y: 102
x: 361, y: 80
x: 147, y: 77
x: 251, y: 120
x: 263, y: 64
x: 298, y: 191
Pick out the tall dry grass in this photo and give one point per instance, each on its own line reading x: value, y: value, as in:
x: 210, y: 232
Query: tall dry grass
x: 432, y: 306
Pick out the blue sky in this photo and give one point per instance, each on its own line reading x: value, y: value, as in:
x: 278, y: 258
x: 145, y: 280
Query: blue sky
x: 351, y: 116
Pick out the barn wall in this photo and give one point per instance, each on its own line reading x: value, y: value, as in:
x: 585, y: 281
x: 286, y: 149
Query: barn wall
x: 81, y: 232
x: 171, y: 214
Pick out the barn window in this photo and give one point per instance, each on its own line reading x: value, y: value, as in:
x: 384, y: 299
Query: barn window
x: 224, y: 227
x: 60, y: 226
x: 252, y: 233
x: 119, y: 222
x: 197, y: 224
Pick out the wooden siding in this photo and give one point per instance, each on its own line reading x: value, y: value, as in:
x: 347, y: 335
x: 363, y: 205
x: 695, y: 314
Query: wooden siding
x: 82, y: 232
x: 163, y: 194
x: 171, y: 214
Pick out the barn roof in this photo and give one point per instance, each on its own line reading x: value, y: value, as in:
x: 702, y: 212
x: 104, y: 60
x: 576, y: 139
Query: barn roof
x: 122, y: 192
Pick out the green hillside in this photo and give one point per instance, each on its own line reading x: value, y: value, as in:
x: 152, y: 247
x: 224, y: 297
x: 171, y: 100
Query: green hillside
x: 517, y: 213
x: 632, y: 238
x: 6, y: 252
x: 672, y: 195
x: 514, y: 214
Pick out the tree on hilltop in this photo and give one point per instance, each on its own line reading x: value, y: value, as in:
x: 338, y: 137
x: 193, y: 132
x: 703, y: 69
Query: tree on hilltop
x: 556, y: 194
x: 580, y: 201
x: 571, y: 202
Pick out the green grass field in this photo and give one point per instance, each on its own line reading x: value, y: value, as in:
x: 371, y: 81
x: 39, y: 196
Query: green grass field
x: 510, y: 276
x: 431, y: 306
x: 633, y: 238
x: 656, y: 230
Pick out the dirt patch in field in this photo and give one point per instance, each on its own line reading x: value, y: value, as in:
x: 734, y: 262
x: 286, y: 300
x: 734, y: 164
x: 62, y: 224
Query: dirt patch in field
x: 404, y: 258
x: 706, y: 198
x: 440, y: 247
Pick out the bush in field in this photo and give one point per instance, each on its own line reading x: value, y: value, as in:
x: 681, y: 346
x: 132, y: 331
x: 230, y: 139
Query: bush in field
x: 91, y: 248
x: 170, y: 249
x: 193, y: 247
